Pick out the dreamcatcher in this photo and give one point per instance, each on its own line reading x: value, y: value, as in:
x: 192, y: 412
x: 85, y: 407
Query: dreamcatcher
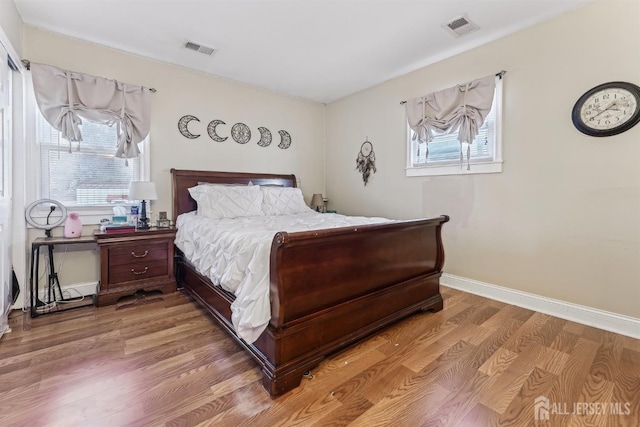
x: 366, y: 161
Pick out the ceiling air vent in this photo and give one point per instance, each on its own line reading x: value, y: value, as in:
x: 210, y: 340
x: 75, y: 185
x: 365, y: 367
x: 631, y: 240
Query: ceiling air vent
x: 200, y: 48
x: 460, y: 26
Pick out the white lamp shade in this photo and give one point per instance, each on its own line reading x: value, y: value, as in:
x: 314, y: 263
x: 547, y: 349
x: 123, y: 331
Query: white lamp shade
x: 142, y: 190
x: 316, y: 200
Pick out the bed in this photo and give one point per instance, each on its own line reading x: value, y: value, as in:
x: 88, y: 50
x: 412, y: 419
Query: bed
x: 328, y: 289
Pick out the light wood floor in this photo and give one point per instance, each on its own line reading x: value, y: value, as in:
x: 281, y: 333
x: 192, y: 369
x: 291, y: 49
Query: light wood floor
x: 160, y: 360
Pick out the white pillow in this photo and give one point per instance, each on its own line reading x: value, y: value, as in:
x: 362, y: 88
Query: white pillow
x: 226, y: 185
x: 283, y: 201
x: 223, y: 201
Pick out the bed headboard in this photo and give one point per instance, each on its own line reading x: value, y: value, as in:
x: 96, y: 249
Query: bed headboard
x: 182, y: 180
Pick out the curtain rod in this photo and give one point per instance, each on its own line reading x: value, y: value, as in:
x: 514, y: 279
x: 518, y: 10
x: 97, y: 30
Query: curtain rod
x: 27, y: 65
x: 498, y: 75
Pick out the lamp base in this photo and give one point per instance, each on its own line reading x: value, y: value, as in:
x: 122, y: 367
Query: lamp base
x: 143, y: 221
x: 143, y: 224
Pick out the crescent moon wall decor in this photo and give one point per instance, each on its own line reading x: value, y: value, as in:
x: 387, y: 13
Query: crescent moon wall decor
x: 240, y: 133
x: 285, y: 139
x: 211, y: 130
x: 265, y: 137
x: 182, y: 126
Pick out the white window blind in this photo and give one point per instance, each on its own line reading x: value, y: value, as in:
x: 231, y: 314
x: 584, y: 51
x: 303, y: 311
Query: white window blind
x: 445, y: 148
x: 485, y: 153
x: 90, y: 176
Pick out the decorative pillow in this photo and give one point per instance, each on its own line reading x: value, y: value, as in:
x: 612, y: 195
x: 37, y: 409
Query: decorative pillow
x: 227, y: 201
x: 283, y: 201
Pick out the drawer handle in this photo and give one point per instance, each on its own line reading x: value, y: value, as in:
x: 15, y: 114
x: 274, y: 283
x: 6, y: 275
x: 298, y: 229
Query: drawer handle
x: 140, y: 256
x: 140, y: 272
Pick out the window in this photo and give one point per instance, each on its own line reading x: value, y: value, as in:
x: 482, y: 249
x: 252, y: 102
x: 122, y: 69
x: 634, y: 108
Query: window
x: 89, y: 179
x: 485, y: 154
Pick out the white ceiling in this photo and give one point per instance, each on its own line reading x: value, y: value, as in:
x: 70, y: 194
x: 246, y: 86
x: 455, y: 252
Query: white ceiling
x: 320, y: 50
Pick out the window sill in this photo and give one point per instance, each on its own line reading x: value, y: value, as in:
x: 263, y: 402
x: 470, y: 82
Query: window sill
x: 456, y: 169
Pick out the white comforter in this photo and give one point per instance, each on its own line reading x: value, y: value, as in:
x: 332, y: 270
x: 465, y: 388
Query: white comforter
x: 234, y: 253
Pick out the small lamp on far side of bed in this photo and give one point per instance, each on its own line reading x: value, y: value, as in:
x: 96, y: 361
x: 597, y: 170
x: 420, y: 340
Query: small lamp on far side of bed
x: 143, y: 191
x: 317, y: 203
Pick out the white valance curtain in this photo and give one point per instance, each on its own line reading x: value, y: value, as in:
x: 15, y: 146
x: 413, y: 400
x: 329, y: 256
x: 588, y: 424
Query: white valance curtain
x: 461, y: 108
x: 66, y: 97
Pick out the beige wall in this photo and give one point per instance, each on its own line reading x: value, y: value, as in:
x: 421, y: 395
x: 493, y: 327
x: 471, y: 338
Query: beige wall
x: 11, y: 24
x: 562, y: 219
x: 207, y: 97
x: 181, y: 92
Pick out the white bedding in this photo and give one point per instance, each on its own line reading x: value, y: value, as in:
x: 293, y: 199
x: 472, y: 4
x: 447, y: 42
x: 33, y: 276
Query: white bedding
x: 234, y: 253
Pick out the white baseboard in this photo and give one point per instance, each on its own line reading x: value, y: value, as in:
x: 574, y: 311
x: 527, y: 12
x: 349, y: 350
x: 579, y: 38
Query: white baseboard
x: 624, y: 325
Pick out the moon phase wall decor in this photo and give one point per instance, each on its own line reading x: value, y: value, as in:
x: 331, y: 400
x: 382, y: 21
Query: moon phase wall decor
x: 265, y: 137
x: 285, y: 139
x: 240, y: 132
x: 182, y: 126
x: 211, y: 130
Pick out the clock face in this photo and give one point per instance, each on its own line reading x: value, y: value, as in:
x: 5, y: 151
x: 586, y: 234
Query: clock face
x: 607, y: 109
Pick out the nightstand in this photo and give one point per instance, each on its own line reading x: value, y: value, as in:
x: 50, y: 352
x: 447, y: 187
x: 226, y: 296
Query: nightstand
x: 133, y: 261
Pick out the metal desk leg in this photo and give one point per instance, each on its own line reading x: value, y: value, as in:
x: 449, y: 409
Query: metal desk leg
x: 53, y: 278
x: 33, y: 280
x: 32, y: 295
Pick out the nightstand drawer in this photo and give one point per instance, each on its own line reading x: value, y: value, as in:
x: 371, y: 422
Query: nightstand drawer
x: 137, y: 253
x: 135, y: 262
x: 138, y: 271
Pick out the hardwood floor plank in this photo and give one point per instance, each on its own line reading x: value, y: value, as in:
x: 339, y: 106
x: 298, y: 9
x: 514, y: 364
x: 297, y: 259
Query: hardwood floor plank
x: 509, y: 383
x: 605, y: 362
x: 598, y: 391
x: 461, y: 401
x: 528, y: 334
x: 345, y: 414
x: 227, y: 410
x: 570, y: 382
x: 302, y: 414
x: 498, y: 362
x: 483, y: 315
x: 626, y: 389
x: 480, y: 415
x: 430, y: 349
x: 565, y: 341
x: 575, y: 372
x: 404, y: 407
x: 155, y: 360
x: 521, y: 408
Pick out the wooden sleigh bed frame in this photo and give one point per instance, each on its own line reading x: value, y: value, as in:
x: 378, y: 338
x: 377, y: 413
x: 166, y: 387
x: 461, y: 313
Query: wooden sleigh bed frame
x: 329, y: 288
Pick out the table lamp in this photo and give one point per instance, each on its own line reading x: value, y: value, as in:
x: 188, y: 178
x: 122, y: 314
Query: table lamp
x: 143, y: 191
x: 317, y: 203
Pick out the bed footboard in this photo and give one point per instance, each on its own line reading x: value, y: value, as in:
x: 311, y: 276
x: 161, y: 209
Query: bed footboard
x: 331, y: 288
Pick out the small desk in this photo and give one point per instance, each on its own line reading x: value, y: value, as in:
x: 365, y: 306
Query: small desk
x: 53, y: 281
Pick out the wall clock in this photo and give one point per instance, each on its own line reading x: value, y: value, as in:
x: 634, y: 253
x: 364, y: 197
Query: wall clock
x: 607, y: 109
